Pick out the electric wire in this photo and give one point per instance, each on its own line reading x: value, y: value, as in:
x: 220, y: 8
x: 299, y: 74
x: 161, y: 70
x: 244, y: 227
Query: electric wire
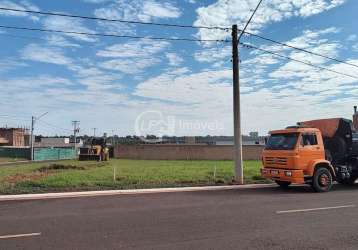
x: 113, y: 20
x: 296, y: 60
x: 243, y: 31
x: 111, y: 35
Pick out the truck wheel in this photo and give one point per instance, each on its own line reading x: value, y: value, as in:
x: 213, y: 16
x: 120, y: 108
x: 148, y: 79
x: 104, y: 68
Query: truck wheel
x: 322, y: 180
x: 283, y: 184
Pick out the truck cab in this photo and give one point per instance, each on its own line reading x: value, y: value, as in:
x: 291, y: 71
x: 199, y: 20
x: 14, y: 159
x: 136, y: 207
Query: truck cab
x: 316, y: 152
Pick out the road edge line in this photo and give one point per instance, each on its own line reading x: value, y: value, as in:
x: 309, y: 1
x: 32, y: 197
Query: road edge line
x: 11, y: 236
x: 44, y: 196
x: 314, y: 209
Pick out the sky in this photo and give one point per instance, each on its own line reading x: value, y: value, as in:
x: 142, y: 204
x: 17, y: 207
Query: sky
x: 142, y: 86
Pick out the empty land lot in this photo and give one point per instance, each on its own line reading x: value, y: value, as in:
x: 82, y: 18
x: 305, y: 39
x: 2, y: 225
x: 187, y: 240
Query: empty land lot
x: 119, y: 174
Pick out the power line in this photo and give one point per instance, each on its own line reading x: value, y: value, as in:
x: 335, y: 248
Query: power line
x: 111, y: 35
x: 54, y: 126
x: 248, y: 22
x: 181, y: 53
x: 300, y: 49
x: 292, y: 59
x: 113, y: 20
x: 22, y: 37
x: 168, y: 25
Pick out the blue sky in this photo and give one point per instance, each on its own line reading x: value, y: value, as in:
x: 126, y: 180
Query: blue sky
x: 121, y: 85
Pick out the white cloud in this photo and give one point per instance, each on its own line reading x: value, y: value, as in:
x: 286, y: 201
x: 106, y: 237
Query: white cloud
x: 95, y: 1
x: 174, y: 59
x: 196, y: 98
x: 21, y: 84
x: 68, y: 24
x: 352, y: 37
x: 141, y: 48
x: 355, y: 47
x: 309, y: 38
x: 180, y: 71
x: 101, y: 82
x: 135, y: 10
x: 133, y: 57
x: 139, y: 10
x: 60, y: 41
x: 213, y: 54
x: 227, y: 12
x: 160, y: 9
x: 21, y: 5
x: 312, y: 40
x: 35, y: 52
x: 10, y: 64
x: 129, y: 66
x: 202, y: 88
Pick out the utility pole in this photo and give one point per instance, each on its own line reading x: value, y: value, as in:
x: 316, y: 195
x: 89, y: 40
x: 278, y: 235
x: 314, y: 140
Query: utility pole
x: 32, y: 137
x: 239, y: 173
x: 94, y: 132
x: 33, y: 120
x: 76, y: 129
x: 239, y: 178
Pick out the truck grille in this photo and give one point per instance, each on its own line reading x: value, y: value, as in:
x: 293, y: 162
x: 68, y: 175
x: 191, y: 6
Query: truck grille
x: 275, y: 161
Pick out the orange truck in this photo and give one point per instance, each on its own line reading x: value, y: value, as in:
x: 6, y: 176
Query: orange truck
x: 316, y: 152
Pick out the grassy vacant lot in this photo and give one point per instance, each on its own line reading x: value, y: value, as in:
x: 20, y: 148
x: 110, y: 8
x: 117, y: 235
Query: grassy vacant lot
x: 75, y: 175
x: 7, y: 159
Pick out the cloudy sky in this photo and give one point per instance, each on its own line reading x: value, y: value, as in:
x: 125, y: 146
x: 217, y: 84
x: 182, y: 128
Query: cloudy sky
x: 121, y: 85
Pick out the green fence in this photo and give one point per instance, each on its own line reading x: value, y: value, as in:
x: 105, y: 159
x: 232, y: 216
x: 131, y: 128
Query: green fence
x: 15, y: 153
x: 45, y: 154
x: 40, y: 154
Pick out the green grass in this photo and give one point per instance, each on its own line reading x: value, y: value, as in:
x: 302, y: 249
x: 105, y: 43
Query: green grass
x: 8, y: 159
x: 75, y: 175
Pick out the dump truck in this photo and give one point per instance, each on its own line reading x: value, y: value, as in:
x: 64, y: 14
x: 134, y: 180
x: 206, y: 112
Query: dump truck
x: 97, y: 150
x: 316, y: 152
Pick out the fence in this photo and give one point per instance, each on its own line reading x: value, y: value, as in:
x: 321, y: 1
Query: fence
x: 40, y: 154
x: 15, y: 153
x: 185, y: 152
x: 45, y: 154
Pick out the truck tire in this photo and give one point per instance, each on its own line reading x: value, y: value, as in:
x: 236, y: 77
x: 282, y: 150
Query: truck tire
x: 322, y: 180
x: 283, y: 184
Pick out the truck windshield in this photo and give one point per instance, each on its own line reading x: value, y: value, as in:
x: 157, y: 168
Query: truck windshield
x: 282, y: 141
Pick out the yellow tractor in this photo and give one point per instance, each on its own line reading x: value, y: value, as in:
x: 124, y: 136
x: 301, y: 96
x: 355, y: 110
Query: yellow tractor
x: 96, y: 151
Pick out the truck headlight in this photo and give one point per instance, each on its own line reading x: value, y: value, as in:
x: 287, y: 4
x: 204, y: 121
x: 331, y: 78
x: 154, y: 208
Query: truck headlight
x: 288, y: 173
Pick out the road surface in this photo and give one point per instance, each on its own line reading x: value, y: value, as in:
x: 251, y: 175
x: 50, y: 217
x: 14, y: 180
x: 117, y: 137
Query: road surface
x: 266, y: 218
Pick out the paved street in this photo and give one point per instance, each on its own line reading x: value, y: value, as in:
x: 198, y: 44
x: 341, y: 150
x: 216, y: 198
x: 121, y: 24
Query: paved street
x: 232, y: 219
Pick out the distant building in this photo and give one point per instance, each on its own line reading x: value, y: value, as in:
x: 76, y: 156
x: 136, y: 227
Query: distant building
x: 252, y: 139
x: 190, y: 140
x: 57, y: 142
x: 14, y: 137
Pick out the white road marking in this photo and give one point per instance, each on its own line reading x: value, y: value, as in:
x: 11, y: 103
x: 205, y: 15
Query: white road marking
x: 313, y: 209
x: 2, y: 237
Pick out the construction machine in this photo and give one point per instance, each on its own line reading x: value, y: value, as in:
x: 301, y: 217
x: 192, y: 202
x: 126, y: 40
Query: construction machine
x: 97, y: 150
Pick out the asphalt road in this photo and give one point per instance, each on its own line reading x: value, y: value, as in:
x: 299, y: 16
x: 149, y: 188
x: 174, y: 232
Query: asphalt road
x: 231, y: 219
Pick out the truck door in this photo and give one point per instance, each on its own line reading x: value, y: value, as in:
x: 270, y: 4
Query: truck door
x: 309, y: 149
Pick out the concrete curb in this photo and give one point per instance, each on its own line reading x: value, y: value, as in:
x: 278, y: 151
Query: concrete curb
x: 23, y: 197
